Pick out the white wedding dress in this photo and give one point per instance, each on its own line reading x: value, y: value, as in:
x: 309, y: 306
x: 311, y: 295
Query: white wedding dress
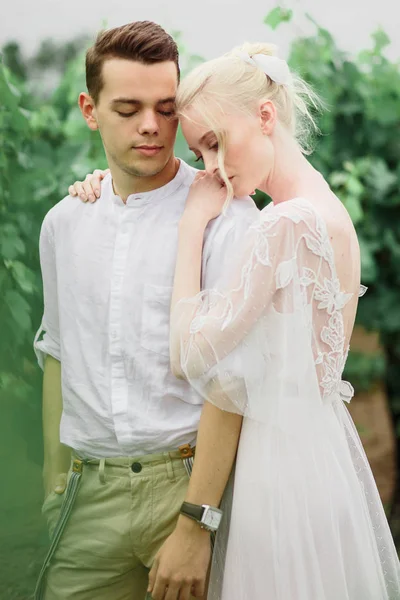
x: 303, y: 518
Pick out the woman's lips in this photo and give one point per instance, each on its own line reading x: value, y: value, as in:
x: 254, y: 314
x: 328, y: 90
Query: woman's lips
x: 149, y: 150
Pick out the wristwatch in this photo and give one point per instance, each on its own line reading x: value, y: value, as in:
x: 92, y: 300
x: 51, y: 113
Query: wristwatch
x: 208, y: 517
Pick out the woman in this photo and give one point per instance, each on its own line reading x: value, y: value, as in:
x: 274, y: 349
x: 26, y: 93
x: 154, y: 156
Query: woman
x: 271, y: 342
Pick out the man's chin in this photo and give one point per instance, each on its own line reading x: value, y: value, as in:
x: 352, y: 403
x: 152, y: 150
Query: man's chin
x: 148, y: 170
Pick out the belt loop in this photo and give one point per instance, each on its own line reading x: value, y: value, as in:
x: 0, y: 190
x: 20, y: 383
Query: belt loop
x: 102, y: 475
x: 170, y: 468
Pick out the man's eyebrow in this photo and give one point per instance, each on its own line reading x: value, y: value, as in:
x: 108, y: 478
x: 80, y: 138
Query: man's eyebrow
x: 134, y: 101
x: 125, y: 101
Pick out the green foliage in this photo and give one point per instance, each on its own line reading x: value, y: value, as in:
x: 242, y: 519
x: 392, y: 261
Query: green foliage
x: 45, y: 145
x: 277, y: 16
x: 364, y: 370
x: 43, y: 148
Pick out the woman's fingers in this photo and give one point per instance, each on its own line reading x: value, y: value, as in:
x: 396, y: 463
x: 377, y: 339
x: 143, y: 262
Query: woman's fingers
x: 89, y: 189
x: 77, y: 190
x: 100, y: 173
x: 96, y: 179
x: 71, y: 190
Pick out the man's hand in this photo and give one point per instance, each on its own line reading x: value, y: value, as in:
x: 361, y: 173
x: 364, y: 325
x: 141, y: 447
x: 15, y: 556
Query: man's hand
x: 54, y: 483
x: 181, y: 565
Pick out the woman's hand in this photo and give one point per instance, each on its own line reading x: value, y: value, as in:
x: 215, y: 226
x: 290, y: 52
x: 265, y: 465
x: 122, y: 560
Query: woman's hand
x: 90, y: 188
x: 206, y: 198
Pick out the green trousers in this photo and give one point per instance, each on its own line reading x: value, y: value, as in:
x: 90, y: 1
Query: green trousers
x: 109, y: 524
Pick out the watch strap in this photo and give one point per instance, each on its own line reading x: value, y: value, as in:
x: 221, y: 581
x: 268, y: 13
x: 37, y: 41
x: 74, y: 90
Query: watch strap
x: 195, y: 511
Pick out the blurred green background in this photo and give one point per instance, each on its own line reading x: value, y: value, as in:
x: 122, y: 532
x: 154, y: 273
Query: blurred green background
x: 45, y: 146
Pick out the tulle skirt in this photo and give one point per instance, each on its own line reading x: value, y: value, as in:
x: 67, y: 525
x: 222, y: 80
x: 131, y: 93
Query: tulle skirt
x: 303, y: 518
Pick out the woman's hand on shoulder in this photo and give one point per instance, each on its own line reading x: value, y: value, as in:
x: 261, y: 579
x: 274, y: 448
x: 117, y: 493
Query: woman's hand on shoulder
x: 90, y: 188
x: 206, y: 198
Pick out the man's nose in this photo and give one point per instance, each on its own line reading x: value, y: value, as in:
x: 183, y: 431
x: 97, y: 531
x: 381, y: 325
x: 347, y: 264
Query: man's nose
x: 149, y: 123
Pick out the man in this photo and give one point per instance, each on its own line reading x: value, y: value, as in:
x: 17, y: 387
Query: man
x: 109, y: 398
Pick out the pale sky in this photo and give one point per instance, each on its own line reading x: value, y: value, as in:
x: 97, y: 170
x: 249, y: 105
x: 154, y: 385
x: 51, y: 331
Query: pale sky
x: 209, y: 27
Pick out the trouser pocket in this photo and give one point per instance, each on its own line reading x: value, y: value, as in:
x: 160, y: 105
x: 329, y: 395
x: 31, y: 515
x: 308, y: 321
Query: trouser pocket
x: 51, y: 510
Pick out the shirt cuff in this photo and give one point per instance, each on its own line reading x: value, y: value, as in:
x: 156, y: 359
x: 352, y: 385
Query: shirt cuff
x: 46, y: 346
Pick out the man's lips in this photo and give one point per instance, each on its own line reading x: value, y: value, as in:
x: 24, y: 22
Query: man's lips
x: 149, y: 150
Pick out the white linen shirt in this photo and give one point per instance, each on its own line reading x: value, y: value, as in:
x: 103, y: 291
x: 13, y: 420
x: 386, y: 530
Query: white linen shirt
x: 107, y: 271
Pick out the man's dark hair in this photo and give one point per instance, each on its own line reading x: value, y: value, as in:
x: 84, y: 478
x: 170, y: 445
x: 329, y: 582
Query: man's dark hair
x: 143, y: 41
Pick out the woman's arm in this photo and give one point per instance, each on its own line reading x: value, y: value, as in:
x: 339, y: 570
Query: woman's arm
x: 182, y: 562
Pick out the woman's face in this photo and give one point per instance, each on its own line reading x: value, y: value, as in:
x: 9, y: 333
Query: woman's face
x: 249, y: 150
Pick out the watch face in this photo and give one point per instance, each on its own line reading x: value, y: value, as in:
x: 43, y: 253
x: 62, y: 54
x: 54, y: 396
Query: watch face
x: 212, y: 518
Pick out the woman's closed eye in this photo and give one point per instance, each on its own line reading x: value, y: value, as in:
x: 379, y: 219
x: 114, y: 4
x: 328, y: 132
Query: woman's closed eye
x: 213, y: 147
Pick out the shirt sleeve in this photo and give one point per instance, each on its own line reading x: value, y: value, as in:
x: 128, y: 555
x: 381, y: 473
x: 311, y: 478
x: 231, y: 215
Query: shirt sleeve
x: 47, y: 339
x: 223, y: 242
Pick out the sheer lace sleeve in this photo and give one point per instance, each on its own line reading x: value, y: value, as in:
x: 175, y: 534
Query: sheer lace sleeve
x: 274, y: 326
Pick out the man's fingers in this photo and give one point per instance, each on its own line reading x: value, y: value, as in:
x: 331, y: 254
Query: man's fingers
x: 159, y: 589
x: 60, y: 483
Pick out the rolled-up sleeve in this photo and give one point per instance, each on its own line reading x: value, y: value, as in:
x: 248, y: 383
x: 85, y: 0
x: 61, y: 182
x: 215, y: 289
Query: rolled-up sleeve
x: 47, y: 339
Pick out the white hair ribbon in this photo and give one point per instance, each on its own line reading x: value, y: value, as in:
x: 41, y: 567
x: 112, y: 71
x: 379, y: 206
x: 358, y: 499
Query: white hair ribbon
x: 276, y: 68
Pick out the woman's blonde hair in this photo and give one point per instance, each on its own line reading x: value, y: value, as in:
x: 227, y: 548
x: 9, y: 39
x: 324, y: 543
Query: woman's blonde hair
x: 231, y: 82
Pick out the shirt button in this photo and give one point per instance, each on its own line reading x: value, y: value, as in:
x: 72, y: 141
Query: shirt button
x: 113, y: 335
x: 136, y: 467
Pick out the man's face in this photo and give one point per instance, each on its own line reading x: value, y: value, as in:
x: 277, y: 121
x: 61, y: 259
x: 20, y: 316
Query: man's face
x: 135, y: 114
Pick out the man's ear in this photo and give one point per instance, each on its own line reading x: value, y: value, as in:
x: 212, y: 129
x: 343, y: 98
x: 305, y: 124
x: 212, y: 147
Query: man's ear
x: 88, y: 110
x: 267, y: 117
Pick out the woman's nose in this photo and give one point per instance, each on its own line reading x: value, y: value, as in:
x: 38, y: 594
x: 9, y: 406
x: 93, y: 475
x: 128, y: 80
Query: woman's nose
x: 211, y: 165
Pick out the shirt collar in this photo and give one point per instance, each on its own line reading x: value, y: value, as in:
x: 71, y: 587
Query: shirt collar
x: 142, y: 198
